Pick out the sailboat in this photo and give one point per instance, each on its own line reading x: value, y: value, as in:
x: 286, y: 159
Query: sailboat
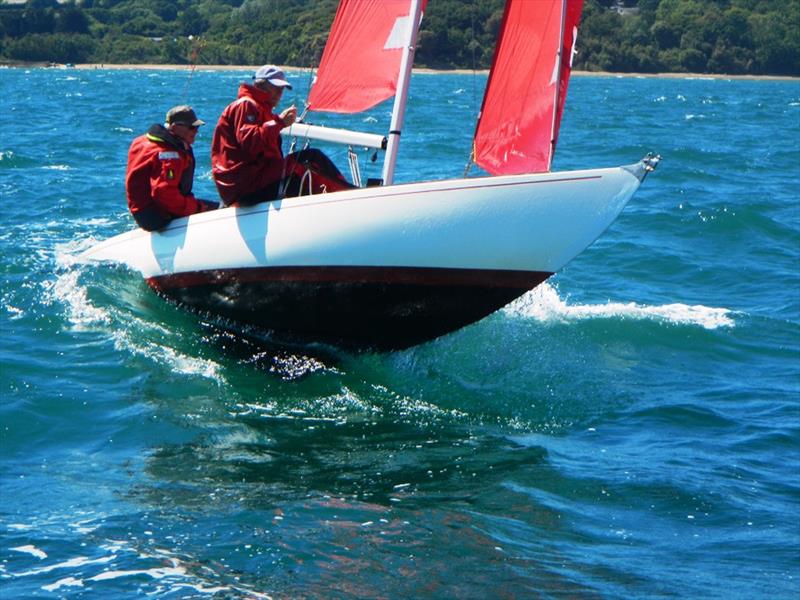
x: 386, y: 266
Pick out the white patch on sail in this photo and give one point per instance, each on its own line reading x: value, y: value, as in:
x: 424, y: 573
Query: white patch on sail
x: 399, y: 34
x: 574, y: 50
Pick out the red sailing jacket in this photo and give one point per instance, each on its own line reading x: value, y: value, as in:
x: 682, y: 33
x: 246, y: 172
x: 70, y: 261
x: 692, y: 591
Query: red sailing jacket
x: 246, y: 153
x: 160, y: 173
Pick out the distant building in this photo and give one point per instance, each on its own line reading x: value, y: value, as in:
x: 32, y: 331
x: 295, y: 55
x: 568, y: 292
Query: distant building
x: 623, y: 10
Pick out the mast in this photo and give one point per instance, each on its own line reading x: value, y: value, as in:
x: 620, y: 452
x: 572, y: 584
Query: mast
x: 557, y: 75
x: 399, y: 108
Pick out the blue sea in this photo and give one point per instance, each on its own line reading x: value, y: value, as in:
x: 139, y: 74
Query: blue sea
x: 630, y: 429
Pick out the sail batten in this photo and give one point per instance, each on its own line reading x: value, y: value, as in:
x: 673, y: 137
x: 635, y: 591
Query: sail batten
x: 521, y: 114
x: 361, y: 61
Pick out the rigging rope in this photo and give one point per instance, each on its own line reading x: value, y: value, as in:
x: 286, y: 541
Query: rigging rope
x: 473, y: 45
x: 196, y: 48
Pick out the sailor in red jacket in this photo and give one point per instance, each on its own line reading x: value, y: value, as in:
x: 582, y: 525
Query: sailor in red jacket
x: 246, y: 156
x: 247, y: 161
x: 160, y: 172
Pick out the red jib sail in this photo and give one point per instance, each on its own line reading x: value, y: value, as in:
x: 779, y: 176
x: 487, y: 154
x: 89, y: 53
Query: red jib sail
x: 361, y: 61
x: 521, y: 113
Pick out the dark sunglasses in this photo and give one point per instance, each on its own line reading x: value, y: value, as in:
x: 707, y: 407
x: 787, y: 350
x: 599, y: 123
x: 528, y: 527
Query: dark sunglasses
x: 192, y: 127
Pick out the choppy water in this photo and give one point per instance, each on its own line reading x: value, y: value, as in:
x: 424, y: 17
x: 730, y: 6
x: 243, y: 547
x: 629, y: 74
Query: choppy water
x: 630, y: 429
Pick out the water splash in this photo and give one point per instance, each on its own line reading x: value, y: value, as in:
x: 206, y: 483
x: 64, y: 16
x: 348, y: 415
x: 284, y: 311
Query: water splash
x: 176, y: 362
x: 171, y: 573
x: 67, y: 290
x: 544, y: 304
x: 129, y: 332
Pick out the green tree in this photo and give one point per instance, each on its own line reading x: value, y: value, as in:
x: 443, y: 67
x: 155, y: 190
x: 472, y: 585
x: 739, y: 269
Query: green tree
x: 191, y: 22
x: 717, y: 36
x: 71, y: 19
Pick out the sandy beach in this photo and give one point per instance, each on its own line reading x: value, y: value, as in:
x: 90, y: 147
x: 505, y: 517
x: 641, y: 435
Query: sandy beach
x: 420, y: 70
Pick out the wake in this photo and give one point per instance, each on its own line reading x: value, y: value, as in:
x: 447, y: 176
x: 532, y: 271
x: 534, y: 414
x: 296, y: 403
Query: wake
x: 544, y: 304
x: 131, y: 333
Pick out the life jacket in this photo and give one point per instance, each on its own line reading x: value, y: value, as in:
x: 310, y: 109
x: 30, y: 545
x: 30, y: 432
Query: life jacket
x: 160, y: 174
x: 158, y: 134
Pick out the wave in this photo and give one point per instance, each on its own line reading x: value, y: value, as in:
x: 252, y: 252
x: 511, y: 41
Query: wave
x: 169, y: 572
x: 544, y: 304
x: 13, y: 160
x: 129, y: 332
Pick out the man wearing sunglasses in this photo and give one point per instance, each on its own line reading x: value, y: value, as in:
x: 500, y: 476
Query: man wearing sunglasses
x: 160, y: 172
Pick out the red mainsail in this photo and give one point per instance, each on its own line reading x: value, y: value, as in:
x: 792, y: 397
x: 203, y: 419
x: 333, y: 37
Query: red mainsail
x: 521, y: 113
x: 361, y: 61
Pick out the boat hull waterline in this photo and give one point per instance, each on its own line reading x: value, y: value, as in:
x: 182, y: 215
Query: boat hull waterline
x: 383, y: 268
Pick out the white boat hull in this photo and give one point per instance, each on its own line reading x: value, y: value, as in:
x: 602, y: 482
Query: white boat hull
x: 385, y: 267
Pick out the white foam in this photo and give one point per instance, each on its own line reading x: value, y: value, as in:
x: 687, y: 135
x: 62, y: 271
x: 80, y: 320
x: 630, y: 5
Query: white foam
x: 164, y: 355
x: 155, y: 573
x: 95, y: 222
x: 175, y: 571
x: 81, y: 527
x: 30, y: 549
x: 79, y: 561
x: 67, y: 290
x: 65, y: 582
x: 215, y: 589
x: 543, y: 304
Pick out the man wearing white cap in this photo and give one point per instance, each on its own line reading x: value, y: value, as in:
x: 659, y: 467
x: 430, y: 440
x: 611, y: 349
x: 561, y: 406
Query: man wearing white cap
x: 246, y: 156
x: 247, y: 161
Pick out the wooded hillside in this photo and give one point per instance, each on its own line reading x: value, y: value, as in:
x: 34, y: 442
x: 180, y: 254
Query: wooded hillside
x: 760, y: 37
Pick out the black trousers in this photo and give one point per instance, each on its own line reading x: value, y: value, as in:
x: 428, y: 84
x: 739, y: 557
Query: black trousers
x: 312, y: 157
x: 150, y: 219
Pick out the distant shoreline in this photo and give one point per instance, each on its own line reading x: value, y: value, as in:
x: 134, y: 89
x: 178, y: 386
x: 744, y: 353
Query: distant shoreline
x: 109, y: 66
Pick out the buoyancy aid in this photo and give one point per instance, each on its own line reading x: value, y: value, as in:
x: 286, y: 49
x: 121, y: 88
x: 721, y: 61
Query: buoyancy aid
x: 160, y: 174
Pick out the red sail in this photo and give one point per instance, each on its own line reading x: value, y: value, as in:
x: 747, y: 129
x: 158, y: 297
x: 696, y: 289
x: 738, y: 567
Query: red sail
x: 361, y: 61
x: 518, y: 126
